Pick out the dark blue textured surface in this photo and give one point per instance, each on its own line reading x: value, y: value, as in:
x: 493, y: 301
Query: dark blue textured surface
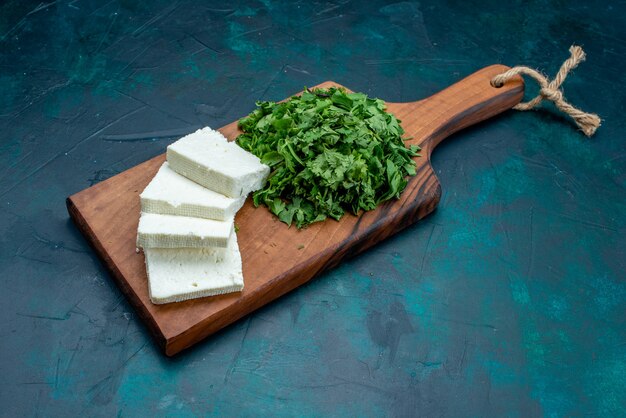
x: 510, y: 300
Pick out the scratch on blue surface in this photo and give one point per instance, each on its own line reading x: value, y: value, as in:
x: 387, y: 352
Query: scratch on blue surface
x: 246, y: 11
x: 63, y: 101
x: 242, y: 44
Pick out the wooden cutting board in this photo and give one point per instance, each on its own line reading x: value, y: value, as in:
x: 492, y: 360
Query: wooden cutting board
x: 277, y: 259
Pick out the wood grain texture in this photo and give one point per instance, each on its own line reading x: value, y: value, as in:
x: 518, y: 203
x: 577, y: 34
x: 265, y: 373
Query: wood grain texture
x: 277, y: 259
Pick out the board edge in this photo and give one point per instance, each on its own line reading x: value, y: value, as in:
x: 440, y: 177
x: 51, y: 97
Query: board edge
x: 83, y: 226
x: 198, y: 331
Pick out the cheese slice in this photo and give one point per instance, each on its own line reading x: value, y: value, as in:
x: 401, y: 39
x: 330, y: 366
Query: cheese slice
x: 207, y: 158
x: 177, y: 274
x: 169, y: 231
x: 169, y: 193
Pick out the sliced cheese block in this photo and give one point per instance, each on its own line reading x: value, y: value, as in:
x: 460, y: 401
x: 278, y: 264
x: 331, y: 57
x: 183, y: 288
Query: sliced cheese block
x: 207, y: 158
x: 177, y: 274
x: 169, y: 193
x: 169, y: 231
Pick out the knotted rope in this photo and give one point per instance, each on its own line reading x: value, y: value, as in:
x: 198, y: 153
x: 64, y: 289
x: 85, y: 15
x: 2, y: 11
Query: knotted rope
x: 587, y: 122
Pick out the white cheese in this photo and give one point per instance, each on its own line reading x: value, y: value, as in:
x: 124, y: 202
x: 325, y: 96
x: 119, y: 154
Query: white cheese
x: 169, y: 193
x: 207, y: 158
x: 169, y: 231
x: 177, y: 274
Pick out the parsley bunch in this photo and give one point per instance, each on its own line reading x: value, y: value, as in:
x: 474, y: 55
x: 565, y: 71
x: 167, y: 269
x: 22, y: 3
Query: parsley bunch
x: 329, y: 152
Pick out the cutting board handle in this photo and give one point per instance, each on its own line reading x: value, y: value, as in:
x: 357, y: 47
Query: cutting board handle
x: 465, y: 103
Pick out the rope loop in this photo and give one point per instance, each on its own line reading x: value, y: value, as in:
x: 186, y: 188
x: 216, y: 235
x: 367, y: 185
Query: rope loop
x: 550, y: 90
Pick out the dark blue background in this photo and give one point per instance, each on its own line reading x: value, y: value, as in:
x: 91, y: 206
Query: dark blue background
x: 509, y: 300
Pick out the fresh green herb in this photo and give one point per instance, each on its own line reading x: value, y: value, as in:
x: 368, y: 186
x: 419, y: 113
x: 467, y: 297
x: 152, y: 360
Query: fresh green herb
x: 330, y: 152
x: 236, y: 228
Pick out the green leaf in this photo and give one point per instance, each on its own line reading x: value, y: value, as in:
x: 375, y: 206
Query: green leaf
x: 272, y: 158
x: 330, y: 152
x: 341, y: 100
x: 276, y: 205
